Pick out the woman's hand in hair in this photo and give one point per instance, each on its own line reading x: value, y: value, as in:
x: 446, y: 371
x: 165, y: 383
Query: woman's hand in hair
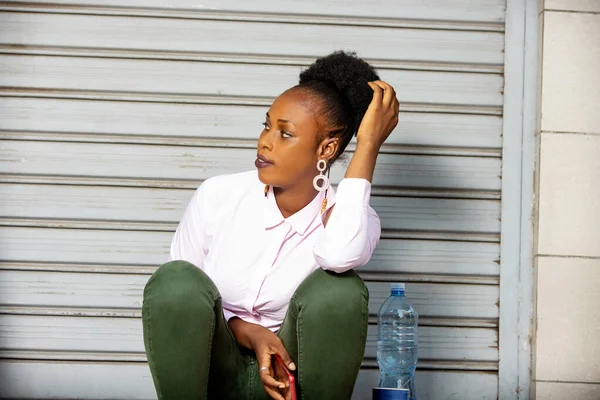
x: 381, y: 117
x: 379, y: 121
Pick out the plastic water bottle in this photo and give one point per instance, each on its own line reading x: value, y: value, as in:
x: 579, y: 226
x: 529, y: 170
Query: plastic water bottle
x: 397, y: 342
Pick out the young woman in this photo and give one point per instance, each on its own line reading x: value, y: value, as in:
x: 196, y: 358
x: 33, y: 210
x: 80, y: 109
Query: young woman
x: 261, y: 263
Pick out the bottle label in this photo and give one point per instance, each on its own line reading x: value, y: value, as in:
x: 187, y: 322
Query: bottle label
x: 390, y: 394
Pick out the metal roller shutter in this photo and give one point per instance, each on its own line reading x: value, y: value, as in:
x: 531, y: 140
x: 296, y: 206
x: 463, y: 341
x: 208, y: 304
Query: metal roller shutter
x: 112, y: 114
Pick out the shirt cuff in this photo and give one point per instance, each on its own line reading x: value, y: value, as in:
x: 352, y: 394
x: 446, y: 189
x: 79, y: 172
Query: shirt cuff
x: 354, y: 191
x: 228, y: 314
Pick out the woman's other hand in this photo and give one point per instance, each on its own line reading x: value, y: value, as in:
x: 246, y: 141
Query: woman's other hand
x: 379, y: 121
x: 265, y: 345
x: 381, y: 117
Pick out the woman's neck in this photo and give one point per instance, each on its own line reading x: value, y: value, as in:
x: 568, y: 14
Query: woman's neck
x: 293, y: 199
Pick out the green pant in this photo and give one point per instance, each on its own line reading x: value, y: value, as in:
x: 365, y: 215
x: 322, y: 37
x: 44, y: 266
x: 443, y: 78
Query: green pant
x: 193, y: 355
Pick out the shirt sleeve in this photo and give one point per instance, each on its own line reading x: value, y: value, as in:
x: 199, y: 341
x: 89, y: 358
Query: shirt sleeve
x: 353, y: 229
x: 229, y: 314
x: 189, y: 239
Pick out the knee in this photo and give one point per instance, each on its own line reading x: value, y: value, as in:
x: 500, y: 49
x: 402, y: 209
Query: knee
x: 179, y: 282
x: 326, y: 292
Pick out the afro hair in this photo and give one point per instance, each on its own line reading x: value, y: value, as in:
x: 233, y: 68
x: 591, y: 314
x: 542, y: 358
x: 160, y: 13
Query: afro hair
x: 349, y: 74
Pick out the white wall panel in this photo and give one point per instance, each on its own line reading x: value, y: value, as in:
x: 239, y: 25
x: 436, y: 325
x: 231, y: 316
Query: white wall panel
x: 434, y: 385
x: 74, y: 120
x: 49, y: 335
x: 141, y: 251
x: 93, y: 248
x: 175, y: 163
x: 111, y: 114
x: 162, y: 34
x: 122, y: 293
x: 490, y: 11
x: 98, y: 381
x: 189, y: 78
x: 165, y: 208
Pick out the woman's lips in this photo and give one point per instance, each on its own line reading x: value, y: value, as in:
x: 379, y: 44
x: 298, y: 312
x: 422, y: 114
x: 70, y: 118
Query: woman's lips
x: 260, y: 163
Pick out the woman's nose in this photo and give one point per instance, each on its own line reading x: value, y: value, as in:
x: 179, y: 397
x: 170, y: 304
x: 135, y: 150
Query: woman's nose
x: 265, y: 141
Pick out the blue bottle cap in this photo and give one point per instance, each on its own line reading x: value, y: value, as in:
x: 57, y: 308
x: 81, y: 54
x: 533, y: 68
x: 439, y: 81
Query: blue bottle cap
x: 398, y: 289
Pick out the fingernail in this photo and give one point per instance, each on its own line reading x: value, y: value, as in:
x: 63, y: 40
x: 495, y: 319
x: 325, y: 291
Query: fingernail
x: 292, y: 365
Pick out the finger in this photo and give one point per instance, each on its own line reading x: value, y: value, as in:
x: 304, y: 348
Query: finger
x: 266, y: 369
x: 389, y: 94
x: 377, y: 94
x: 268, y: 380
x: 266, y: 376
x: 274, y: 394
x: 285, y: 357
x: 280, y: 371
x: 264, y: 361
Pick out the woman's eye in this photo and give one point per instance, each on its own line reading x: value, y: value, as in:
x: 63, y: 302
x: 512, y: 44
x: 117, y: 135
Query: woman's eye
x: 286, y: 135
x: 265, y: 125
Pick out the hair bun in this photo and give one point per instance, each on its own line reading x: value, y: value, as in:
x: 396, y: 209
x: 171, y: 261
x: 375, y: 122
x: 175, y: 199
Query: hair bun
x: 349, y: 74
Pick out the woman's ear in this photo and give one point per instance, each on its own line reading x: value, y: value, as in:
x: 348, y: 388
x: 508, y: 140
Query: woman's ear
x: 328, y: 149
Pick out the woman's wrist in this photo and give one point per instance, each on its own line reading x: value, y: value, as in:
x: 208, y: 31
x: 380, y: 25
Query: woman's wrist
x: 244, y: 332
x: 368, y: 145
x: 363, y: 160
x: 239, y: 329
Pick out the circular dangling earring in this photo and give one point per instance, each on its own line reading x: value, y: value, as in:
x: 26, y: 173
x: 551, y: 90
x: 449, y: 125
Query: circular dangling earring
x: 321, y: 166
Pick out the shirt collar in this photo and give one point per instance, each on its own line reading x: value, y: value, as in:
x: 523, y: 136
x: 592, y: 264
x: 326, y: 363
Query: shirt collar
x: 301, y: 220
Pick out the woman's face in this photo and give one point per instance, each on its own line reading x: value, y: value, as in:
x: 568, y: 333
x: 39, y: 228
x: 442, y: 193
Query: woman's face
x: 288, y: 150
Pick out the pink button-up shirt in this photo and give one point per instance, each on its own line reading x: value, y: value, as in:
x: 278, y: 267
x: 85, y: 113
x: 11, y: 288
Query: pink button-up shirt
x: 256, y: 257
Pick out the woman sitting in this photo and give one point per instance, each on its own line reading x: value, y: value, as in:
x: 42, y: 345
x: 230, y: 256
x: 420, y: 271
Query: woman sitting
x: 261, y: 263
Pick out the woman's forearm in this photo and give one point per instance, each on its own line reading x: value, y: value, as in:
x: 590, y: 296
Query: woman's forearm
x: 242, y: 331
x: 363, y: 161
